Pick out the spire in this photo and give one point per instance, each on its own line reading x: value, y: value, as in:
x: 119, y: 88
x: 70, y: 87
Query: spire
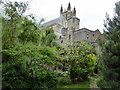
x: 74, y: 10
x: 61, y: 9
x: 69, y: 6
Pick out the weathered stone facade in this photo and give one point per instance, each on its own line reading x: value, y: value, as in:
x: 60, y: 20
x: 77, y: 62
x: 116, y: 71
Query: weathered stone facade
x: 66, y: 27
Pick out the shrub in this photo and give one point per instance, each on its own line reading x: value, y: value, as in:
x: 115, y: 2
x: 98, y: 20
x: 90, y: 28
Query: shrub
x: 27, y: 68
x: 63, y: 81
x: 82, y: 61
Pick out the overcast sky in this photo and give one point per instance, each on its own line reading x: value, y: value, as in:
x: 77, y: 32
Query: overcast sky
x: 90, y: 12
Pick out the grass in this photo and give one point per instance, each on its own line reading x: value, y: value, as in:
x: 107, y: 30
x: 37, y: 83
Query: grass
x: 85, y: 84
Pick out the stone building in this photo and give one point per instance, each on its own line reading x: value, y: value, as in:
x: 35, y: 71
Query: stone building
x: 67, y: 28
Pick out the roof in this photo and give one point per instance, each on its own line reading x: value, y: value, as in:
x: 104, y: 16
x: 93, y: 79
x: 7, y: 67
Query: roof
x: 74, y: 17
x: 87, y: 30
x: 52, y: 22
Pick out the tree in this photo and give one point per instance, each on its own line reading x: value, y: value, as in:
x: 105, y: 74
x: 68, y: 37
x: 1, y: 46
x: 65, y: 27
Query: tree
x: 109, y: 63
x: 81, y: 61
x: 24, y: 63
x: 48, y: 38
x: 12, y: 23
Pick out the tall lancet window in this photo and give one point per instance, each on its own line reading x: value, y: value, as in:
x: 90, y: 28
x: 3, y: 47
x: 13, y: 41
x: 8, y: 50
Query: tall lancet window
x: 63, y: 31
x: 69, y: 37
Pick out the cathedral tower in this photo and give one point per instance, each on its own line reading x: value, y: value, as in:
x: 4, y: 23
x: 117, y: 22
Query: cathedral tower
x: 69, y: 21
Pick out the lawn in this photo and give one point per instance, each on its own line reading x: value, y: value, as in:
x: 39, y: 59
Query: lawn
x: 85, y: 84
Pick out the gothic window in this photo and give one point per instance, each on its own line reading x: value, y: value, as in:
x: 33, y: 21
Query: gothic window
x: 66, y: 16
x: 60, y: 37
x: 69, y: 37
x: 93, y: 34
x: 61, y: 41
x: 63, y: 31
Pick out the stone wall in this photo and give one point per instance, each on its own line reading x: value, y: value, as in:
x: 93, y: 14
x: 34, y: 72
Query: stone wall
x: 68, y: 23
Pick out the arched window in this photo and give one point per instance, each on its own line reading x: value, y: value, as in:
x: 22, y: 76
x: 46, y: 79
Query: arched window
x: 61, y: 41
x: 66, y: 16
x: 69, y: 37
x: 63, y: 31
x: 59, y: 37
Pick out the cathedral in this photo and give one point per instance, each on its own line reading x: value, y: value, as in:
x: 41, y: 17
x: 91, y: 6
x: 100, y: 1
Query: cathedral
x: 67, y: 28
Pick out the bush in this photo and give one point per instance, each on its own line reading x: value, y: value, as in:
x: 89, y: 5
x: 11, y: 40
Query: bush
x: 82, y: 61
x: 27, y: 68
x: 80, y: 71
x: 63, y: 81
x: 47, y: 81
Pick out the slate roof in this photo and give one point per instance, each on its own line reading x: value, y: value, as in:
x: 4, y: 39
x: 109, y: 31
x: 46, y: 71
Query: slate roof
x: 52, y: 22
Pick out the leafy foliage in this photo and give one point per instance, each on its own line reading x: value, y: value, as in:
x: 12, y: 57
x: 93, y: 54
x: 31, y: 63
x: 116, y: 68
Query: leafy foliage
x: 29, y: 32
x: 109, y: 69
x: 81, y: 61
x: 12, y: 23
x: 48, y: 38
x: 25, y: 64
x: 63, y: 81
x: 28, y: 65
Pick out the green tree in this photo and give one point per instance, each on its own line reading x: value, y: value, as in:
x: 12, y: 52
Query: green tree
x: 25, y: 64
x: 29, y: 31
x: 11, y: 23
x: 109, y: 63
x: 48, y: 38
x: 81, y: 61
